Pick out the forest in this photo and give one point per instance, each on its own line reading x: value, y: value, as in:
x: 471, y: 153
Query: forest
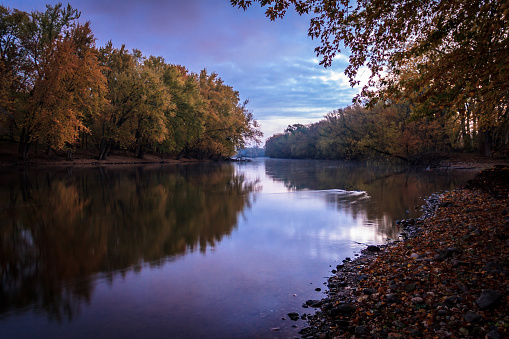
x: 59, y: 92
x: 439, y: 78
x: 387, y: 132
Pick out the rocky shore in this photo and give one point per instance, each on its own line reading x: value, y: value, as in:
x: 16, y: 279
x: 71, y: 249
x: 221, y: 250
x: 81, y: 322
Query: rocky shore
x: 447, y: 278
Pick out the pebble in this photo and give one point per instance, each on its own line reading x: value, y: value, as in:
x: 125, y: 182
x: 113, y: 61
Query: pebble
x: 472, y: 317
x: 417, y: 300
x: 489, y: 299
x: 294, y: 316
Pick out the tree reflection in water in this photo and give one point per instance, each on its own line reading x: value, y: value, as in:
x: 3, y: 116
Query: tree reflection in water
x: 392, y: 190
x: 62, y: 226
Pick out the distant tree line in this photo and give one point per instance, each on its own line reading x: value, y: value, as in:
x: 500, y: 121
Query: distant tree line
x: 394, y: 132
x: 58, y: 91
x: 251, y: 152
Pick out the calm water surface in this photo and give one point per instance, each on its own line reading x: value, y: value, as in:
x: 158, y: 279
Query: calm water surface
x: 194, y: 251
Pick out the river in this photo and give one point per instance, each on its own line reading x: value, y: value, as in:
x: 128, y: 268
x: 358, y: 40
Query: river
x: 216, y: 250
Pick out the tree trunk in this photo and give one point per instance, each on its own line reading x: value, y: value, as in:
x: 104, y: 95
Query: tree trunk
x: 138, y: 151
x: 487, y: 141
x: 183, y: 153
x: 24, y: 143
x: 104, y: 149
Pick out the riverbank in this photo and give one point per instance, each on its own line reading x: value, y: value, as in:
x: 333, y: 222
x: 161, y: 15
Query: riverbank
x: 448, y: 279
x: 9, y: 157
x: 87, y: 158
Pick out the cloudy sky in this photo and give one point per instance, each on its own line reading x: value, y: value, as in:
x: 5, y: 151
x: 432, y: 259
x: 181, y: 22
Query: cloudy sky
x: 272, y: 64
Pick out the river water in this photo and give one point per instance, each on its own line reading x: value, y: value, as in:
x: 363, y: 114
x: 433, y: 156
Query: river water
x: 189, y: 251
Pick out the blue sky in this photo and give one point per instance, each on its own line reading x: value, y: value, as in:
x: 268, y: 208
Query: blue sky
x: 273, y: 64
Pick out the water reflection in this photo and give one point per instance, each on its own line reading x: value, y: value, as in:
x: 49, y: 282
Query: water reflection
x: 390, y: 192
x: 214, y: 250
x: 60, y: 227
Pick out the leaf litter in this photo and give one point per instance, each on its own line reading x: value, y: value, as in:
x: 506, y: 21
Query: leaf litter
x: 447, y: 279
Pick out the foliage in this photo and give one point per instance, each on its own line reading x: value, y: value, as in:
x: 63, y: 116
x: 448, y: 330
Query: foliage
x: 358, y: 133
x: 58, y: 89
x: 444, y: 57
x: 52, y: 77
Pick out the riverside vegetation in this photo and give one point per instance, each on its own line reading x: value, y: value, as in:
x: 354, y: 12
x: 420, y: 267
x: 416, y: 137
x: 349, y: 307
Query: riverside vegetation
x: 61, y: 93
x: 438, y: 78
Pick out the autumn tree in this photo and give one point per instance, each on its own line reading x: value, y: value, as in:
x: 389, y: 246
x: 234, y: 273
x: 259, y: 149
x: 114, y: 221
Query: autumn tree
x: 57, y: 89
x: 227, y: 122
x: 54, y: 77
x: 185, y: 121
x: 138, y: 101
x: 357, y: 132
x: 70, y: 89
x: 460, y: 50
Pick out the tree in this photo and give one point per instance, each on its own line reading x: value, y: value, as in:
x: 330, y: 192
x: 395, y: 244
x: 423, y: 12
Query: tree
x: 459, y: 49
x: 71, y: 87
x: 138, y: 100
x: 51, y: 75
x: 185, y: 121
x: 228, y: 124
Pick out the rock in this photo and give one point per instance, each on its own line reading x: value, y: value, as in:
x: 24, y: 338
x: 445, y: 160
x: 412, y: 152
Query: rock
x: 361, y: 277
x: 372, y: 248
x: 492, y: 267
x: 327, y: 306
x: 415, y: 256
x: 369, y: 291
x: 398, y: 323
x: 489, y: 299
x: 452, y: 300
x: 360, y: 330
x: 472, y: 317
x: 447, y: 253
x: 392, y: 298
x: 417, y: 300
x: 442, y: 313
x: 274, y: 329
x: 305, y: 331
x: 410, y: 287
x: 344, y: 309
x: 313, y: 303
x: 294, y: 316
x: 493, y: 335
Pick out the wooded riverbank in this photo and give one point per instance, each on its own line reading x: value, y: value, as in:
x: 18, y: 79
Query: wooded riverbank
x: 449, y: 280
x: 9, y: 156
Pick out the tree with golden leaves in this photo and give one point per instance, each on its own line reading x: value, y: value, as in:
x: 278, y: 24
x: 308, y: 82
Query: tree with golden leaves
x: 54, y: 77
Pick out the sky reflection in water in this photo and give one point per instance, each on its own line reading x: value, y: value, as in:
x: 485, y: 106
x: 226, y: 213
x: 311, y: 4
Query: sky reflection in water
x: 197, y: 251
